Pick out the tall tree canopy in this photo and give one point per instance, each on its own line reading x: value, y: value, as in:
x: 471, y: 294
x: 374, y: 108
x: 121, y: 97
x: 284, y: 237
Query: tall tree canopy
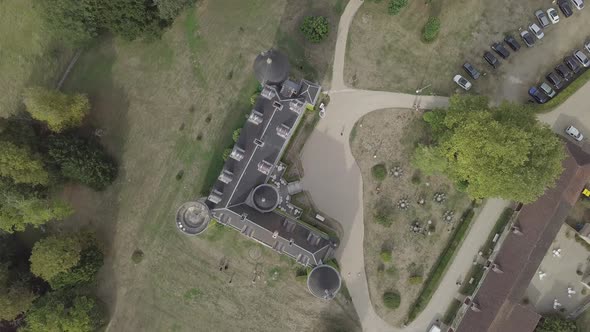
x: 60, y: 111
x: 91, y: 260
x: 20, y: 165
x: 61, y: 312
x: 78, y: 21
x: 56, y: 254
x: 556, y: 324
x: 493, y: 152
x: 15, y: 295
x: 21, y: 206
x: 83, y: 161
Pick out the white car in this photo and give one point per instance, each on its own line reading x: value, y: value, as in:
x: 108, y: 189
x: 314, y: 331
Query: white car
x: 462, y: 82
x: 553, y: 15
x: 574, y: 133
x: 578, y: 4
x: 538, y: 32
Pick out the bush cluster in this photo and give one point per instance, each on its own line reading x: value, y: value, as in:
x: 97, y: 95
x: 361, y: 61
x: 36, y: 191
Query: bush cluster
x: 395, y: 6
x: 431, y: 29
x: 315, y: 28
x: 391, y: 300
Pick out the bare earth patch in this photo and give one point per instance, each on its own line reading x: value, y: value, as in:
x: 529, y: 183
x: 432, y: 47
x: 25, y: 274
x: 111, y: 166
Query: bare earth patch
x: 388, y: 137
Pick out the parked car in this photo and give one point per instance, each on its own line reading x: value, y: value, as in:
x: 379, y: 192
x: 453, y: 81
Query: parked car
x: 543, y: 19
x: 565, y: 7
x: 514, y: 45
x: 474, y: 73
x: 562, y: 70
x: 572, y: 64
x: 538, y: 32
x: 501, y: 50
x: 462, y: 82
x: 538, y: 96
x: 528, y: 38
x: 554, y: 79
x: 553, y: 15
x: 580, y: 56
x: 547, y: 90
x: 491, y: 59
x: 579, y: 4
x: 574, y: 132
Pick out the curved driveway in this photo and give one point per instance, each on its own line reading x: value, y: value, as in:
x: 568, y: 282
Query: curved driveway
x: 334, y: 181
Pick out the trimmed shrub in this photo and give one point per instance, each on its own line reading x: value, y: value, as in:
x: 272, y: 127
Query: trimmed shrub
x: 395, y: 6
x: 386, y: 256
x: 315, y: 28
x: 416, y: 280
x: 391, y: 300
x: 226, y: 153
x: 382, y: 219
x: 431, y: 29
x: 137, y: 256
x: 379, y: 172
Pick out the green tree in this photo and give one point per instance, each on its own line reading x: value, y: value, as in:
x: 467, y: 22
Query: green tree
x: 395, y: 6
x: 91, y: 260
x: 63, y: 312
x: 494, y: 154
x: 431, y: 29
x: 391, y: 300
x: 169, y: 9
x: 82, y: 160
x: 315, y: 28
x: 21, y: 206
x: 58, y: 110
x: 56, y: 254
x: 556, y: 324
x: 15, y: 295
x: 20, y: 165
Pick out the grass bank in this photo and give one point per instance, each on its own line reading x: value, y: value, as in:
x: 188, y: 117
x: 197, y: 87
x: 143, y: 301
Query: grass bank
x: 439, y: 268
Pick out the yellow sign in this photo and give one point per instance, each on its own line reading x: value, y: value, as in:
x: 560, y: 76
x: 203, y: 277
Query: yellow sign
x: 586, y: 192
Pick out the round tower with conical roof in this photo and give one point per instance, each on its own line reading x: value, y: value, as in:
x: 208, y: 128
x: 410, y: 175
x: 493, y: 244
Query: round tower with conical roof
x: 271, y: 67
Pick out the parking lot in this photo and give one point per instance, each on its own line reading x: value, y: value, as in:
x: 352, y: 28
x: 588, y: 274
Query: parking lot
x: 559, y: 274
x: 529, y: 66
x: 386, y: 53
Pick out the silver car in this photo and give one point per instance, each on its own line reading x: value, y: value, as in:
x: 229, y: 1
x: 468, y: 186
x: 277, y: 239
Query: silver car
x: 538, y: 32
x: 547, y: 90
x: 462, y: 82
x: 580, y: 56
x: 574, y: 133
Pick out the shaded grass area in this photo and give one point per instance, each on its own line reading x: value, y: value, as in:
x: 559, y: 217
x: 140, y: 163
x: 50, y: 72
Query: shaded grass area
x: 501, y: 223
x: 475, y: 273
x: 451, y: 311
x: 439, y: 268
x: 30, y: 53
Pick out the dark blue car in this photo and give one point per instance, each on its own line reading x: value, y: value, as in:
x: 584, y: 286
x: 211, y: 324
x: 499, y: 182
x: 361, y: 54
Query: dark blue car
x: 539, y: 96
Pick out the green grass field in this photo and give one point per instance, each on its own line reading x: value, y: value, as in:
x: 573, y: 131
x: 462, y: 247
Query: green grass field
x: 169, y: 108
x: 30, y: 54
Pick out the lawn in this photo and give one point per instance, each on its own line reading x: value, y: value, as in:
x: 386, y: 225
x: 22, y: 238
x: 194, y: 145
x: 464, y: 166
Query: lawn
x: 386, y: 52
x: 398, y: 256
x: 167, y: 110
x: 30, y: 54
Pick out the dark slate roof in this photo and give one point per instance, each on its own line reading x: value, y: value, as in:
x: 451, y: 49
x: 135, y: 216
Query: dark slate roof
x: 260, y: 146
x: 520, y: 255
x: 310, y: 91
x: 271, y: 67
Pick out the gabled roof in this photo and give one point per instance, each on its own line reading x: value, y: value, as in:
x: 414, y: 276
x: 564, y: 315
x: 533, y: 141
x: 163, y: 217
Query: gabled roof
x: 521, y: 254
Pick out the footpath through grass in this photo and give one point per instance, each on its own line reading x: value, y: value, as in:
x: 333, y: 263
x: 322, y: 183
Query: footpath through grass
x: 438, y: 270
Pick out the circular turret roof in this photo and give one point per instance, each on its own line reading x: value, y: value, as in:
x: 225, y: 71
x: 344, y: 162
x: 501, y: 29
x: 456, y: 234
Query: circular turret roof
x: 271, y: 67
x: 265, y: 198
x: 192, y: 218
x: 324, y: 282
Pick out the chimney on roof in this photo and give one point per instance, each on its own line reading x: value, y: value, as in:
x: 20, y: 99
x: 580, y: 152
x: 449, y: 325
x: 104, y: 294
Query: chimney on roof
x: 237, y: 153
x: 516, y: 230
x: 226, y: 176
x: 475, y: 307
x: 496, y: 268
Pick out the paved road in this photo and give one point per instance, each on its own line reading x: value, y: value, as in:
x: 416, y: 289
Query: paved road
x: 574, y: 111
x: 333, y: 179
